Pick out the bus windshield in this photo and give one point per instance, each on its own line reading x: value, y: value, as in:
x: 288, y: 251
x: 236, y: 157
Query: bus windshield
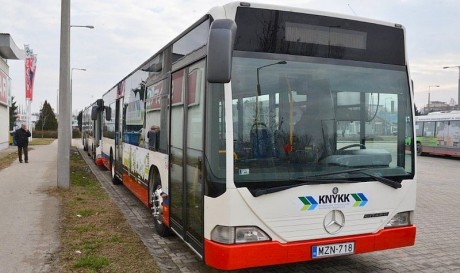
x: 306, y: 118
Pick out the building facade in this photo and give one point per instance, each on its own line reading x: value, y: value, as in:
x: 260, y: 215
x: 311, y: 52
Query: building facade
x: 439, y: 106
x: 8, y: 51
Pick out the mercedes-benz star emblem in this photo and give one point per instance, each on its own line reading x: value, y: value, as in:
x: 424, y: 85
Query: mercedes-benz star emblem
x: 334, y: 221
x: 335, y: 190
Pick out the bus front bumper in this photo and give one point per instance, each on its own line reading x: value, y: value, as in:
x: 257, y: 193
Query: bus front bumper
x: 231, y: 257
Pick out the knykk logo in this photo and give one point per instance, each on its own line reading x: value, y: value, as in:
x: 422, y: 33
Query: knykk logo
x: 333, y: 201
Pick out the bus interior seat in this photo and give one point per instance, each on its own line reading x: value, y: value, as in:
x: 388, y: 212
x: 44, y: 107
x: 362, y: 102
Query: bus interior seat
x: 261, y: 141
x: 281, y: 141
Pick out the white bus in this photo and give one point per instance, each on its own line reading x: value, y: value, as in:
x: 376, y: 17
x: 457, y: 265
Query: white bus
x: 267, y: 135
x: 89, y: 131
x: 438, y: 133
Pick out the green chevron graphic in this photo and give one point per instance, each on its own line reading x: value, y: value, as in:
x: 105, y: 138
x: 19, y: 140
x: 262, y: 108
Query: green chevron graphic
x: 305, y: 202
x: 360, y: 199
x: 309, y: 203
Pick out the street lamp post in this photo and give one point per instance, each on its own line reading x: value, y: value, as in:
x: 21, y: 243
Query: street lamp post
x: 81, y: 26
x: 259, y: 91
x: 458, y: 95
x: 81, y: 69
x: 71, y: 95
x: 258, y: 69
x: 429, y: 94
x: 63, y: 164
x: 73, y: 68
x: 387, y: 123
x: 71, y: 76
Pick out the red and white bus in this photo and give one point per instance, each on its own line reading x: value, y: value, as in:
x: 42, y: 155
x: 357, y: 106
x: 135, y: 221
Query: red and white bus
x: 90, y: 131
x: 260, y: 136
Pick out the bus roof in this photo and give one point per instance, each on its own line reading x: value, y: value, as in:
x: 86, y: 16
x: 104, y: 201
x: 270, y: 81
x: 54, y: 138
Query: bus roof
x: 229, y: 11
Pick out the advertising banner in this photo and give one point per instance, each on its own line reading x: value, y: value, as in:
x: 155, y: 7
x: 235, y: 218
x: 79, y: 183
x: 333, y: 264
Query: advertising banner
x: 30, y: 65
x: 4, y: 92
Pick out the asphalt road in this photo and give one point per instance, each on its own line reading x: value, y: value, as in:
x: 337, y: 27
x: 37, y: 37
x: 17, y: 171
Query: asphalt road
x: 437, y: 247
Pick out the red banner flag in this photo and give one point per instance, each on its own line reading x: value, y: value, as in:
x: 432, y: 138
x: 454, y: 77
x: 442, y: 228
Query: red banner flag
x: 31, y: 63
x: 3, y: 88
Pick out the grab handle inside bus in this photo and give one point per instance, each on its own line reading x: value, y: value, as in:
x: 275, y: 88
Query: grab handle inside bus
x: 220, y: 47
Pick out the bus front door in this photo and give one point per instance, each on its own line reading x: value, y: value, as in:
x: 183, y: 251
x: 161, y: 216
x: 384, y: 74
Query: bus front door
x: 186, y: 151
x: 118, y: 139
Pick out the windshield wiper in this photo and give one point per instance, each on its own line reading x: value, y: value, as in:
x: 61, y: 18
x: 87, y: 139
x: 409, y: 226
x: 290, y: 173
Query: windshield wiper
x: 307, y: 180
x: 386, y: 181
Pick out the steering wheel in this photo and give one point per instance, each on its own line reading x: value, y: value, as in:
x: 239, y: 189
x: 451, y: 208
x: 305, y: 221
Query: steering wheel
x: 352, y: 145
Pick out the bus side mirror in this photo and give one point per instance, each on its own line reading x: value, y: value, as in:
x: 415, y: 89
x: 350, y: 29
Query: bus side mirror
x: 100, y: 104
x: 108, y: 113
x: 94, y: 112
x: 220, y: 50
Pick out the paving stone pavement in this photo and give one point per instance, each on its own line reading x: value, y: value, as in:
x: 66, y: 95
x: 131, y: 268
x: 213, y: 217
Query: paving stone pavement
x: 437, y: 247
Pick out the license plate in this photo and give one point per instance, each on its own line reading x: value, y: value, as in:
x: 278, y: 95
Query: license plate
x: 333, y: 250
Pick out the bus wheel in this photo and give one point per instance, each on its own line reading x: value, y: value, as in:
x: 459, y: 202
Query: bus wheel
x: 157, y: 207
x: 115, y: 179
x: 419, y: 149
x: 93, y: 153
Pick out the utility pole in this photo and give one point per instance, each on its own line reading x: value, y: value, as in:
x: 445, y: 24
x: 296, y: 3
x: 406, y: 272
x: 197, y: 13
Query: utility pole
x: 63, y: 162
x: 429, y: 96
x: 458, y: 95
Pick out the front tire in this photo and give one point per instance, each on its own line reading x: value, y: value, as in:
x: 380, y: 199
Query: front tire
x: 419, y: 149
x: 93, y: 153
x: 156, y: 199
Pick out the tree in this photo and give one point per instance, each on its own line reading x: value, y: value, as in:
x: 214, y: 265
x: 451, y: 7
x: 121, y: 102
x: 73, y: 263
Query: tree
x: 46, y: 120
x: 79, y: 119
x: 13, y: 113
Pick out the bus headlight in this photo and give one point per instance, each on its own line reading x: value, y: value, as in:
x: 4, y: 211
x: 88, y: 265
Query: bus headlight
x: 400, y: 219
x: 238, y: 235
x: 223, y: 234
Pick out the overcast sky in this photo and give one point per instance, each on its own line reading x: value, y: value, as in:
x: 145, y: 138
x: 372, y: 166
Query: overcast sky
x: 128, y: 32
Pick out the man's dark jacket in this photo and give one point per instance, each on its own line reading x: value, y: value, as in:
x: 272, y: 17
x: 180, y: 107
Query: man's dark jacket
x: 22, y: 137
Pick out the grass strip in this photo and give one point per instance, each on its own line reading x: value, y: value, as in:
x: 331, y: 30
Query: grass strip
x: 95, y: 237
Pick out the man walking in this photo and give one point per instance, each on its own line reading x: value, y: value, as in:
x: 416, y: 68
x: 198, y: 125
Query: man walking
x: 22, y: 140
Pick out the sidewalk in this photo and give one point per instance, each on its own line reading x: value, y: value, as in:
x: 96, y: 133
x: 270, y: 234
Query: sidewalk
x: 29, y: 215
x: 8, y: 150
